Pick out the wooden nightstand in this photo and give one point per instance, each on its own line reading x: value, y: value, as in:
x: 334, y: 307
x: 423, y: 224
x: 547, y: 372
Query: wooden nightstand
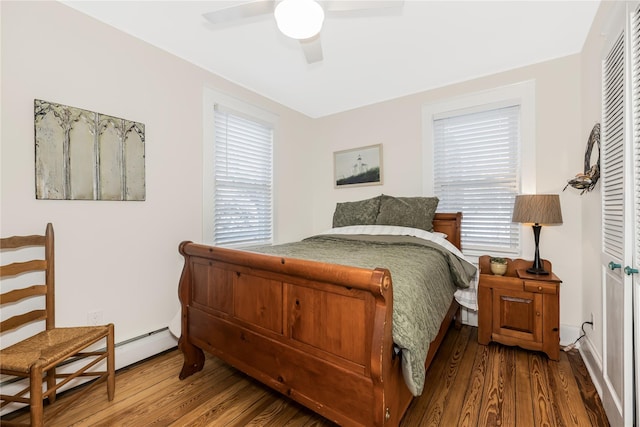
x: 519, y: 308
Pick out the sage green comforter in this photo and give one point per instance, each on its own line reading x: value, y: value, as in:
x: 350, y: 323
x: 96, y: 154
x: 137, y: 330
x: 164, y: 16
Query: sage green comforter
x: 424, y: 276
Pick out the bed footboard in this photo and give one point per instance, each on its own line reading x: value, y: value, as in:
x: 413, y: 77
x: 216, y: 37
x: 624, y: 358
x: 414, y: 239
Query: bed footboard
x: 318, y: 333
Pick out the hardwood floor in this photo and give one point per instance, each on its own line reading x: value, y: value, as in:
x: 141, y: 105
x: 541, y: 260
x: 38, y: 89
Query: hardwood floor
x: 467, y: 385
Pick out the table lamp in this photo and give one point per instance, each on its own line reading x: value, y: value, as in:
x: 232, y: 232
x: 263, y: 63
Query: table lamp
x: 537, y: 209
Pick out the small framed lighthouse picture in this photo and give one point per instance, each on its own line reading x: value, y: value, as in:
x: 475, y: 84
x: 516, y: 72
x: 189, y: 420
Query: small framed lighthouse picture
x: 358, y: 166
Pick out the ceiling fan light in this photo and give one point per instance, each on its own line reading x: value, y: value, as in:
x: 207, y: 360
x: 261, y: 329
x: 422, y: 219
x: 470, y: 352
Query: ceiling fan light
x: 299, y: 19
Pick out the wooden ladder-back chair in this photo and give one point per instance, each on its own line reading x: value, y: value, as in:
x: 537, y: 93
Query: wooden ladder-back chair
x: 36, y: 358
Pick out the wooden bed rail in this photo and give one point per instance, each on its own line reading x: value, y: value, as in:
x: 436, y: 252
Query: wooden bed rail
x: 349, y: 277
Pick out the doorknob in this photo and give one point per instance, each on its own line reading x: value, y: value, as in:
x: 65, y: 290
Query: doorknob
x: 613, y: 265
x: 629, y: 271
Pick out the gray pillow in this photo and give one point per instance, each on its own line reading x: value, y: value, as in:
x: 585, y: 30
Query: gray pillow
x: 362, y: 212
x: 416, y: 212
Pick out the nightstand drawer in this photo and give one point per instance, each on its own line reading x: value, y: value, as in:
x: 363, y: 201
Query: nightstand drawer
x: 540, y: 287
x: 502, y: 282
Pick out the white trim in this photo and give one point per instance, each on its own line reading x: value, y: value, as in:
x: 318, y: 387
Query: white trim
x: 613, y: 25
x: 522, y: 93
x: 569, y: 334
x: 519, y: 93
x: 214, y: 97
x: 593, y: 363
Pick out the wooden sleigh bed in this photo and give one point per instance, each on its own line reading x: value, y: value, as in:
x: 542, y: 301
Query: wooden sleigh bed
x: 268, y: 316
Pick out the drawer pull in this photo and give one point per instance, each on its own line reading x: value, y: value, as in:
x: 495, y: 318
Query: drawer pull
x: 540, y: 288
x: 514, y: 299
x: 538, y: 313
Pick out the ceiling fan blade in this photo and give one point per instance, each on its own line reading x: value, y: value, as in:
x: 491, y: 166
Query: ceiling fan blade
x: 312, y: 49
x: 240, y: 11
x: 348, y: 5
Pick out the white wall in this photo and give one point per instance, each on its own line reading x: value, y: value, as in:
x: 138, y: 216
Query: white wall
x: 559, y: 156
x: 121, y: 257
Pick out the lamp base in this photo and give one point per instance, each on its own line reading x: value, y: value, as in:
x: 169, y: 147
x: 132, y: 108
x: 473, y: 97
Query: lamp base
x: 538, y: 271
x: 538, y: 266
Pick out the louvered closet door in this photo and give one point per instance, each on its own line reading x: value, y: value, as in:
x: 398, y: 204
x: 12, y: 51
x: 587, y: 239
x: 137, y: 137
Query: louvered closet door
x: 617, y: 300
x: 634, y: 178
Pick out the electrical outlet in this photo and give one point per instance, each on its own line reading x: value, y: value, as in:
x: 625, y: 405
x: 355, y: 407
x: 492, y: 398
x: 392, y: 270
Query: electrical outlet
x: 94, y: 318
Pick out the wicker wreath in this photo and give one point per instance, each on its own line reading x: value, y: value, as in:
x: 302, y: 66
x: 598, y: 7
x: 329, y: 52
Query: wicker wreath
x: 587, y: 181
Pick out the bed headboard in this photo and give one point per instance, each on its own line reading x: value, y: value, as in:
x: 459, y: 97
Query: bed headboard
x: 449, y: 224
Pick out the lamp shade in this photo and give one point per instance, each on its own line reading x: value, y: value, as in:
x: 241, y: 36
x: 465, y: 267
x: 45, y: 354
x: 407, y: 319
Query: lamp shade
x: 299, y: 19
x: 537, y: 209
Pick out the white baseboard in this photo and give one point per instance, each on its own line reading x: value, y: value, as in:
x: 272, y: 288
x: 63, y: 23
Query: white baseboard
x: 593, y: 363
x: 127, y: 353
x: 569, y: 334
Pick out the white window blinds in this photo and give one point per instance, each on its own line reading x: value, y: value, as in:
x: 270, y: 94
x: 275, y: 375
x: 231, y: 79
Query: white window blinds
x: 476, y: 172
x: 613, y: 151
x: 243, y: 180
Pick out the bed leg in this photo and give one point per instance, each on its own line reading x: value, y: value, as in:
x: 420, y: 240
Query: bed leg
x: 193, y: 358
x: 458, y: 322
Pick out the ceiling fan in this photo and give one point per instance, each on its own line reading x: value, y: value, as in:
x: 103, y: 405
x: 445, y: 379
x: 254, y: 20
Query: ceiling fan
x: 299, y: 19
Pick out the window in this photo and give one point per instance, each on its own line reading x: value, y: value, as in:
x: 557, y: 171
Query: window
x: 476, y: 158
x: 474, y: 149
x: 238, y: 153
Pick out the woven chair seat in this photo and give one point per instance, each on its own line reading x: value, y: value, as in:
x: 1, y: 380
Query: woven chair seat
x: 49, y: 346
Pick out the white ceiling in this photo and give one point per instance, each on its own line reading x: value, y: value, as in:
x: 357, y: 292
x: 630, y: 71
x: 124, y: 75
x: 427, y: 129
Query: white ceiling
x: 368, y: 57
